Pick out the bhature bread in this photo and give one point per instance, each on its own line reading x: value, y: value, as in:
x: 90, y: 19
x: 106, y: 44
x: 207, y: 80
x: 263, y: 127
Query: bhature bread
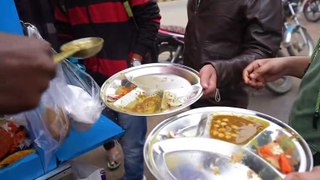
x: 57, y: 123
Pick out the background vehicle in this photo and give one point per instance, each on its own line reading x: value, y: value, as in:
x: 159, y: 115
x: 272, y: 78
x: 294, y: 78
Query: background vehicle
x: 170, y: 43
x: 296, y: 41
x: 311, y: 10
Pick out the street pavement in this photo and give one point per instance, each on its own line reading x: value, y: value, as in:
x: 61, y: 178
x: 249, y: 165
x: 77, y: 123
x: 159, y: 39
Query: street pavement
x: 174, y: 13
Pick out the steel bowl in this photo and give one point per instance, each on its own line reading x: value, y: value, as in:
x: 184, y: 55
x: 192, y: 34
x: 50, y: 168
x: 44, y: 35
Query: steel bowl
x: 173, y: 150
x: 153, y: 78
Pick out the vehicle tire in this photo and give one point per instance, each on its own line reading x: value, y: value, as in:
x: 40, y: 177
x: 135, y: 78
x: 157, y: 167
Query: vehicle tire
x: 311, y: 10
x: 296, y: 48
x: 166, y: 53
x: 282, y: 85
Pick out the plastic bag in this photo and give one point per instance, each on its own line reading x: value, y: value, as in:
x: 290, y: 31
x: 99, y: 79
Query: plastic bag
x: 84, y: 105
x: 87, y: 105
x: 82, y: 171
x: 72, y: 99
x: 49, y: 123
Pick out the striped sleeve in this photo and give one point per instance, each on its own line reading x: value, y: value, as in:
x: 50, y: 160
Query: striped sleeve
x: 147, y: 17
x: 62, y: 25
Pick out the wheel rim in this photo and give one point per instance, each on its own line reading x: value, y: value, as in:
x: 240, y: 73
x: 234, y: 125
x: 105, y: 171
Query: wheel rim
x: 165, y: 56
x: 312, y: 11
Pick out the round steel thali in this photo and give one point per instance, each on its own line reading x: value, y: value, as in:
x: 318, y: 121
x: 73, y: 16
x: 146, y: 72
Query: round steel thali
x: 152, y: 89
x: 186, y: 146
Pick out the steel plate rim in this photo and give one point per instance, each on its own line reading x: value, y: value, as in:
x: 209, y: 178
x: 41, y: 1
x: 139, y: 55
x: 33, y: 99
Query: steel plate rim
x: 177, y: 109
x: 152, y: 135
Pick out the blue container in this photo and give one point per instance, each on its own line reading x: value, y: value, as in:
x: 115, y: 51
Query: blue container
x: 9, y: 19
x: 76, y: 144
x: 27, y: 168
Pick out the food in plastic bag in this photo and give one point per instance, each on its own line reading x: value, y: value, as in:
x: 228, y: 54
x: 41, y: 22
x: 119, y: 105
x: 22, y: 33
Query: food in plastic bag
x: 86, y: 105
x: 60, y: 106
x: 86, y: 112
x: 55, y: 120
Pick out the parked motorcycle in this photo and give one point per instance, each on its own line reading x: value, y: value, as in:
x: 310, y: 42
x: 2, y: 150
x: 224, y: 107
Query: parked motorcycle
x: 170, y: 43
x: 311, y: 10
x: 296, y: 41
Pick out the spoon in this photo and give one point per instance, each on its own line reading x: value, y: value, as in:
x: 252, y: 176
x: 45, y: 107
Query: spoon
x: 80, y: 48
x: 199, y: 131
x: 202, y: 125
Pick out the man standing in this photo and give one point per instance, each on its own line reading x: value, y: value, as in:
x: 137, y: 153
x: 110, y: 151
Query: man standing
x: 127, y: 42
x: 222, y: 37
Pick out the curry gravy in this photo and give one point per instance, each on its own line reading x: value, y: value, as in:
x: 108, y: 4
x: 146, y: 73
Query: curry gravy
x: 234, y: 129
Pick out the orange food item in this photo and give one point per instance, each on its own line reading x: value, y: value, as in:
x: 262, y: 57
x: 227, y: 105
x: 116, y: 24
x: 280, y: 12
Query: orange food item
x: 5, y: 143
x: 15, y: 157
x: 285, y: 166
x: 123, y: 90
x: 18, y: 139
x: 265, y: 151
x: 275, y: 155
x: 12, y: 128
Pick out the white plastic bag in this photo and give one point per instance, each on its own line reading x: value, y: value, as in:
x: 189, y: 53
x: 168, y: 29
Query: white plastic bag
x: 86, y: 105
x: 60, y: 106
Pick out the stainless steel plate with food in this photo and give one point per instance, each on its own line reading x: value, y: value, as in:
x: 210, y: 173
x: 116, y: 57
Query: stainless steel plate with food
x: 152, y: 89
x: 225, y: 143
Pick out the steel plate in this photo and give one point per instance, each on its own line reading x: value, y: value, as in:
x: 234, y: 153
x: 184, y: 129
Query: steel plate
x: 162, y: 79
x: 188, y: 158
x: 177, y: 135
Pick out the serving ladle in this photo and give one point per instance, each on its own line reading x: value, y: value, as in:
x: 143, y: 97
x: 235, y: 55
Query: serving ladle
x: 80, y: 48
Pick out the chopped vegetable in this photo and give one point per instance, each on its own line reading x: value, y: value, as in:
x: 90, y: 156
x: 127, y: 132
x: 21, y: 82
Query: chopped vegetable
x: 285, y: 166
x: 275, y: 155
x: 265, y: 151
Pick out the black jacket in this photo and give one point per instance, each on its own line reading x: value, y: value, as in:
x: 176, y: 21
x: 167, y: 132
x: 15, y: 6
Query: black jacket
x: 230, y: 34
x: 109, y: 20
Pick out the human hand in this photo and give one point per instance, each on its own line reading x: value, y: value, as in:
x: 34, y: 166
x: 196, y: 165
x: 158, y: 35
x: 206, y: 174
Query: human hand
x: 259, y: 72
x: 208, y: 80
x: 136, y: 59
x: 313, y: 175
x: 26, y: 67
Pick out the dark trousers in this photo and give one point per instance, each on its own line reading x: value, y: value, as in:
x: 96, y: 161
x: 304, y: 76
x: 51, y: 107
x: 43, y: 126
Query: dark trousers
x: 316, y: 159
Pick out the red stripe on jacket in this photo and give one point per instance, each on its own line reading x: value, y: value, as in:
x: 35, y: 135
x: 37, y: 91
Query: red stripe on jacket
x: 107, y: 67
x: 60, y: 16
x: 78, y: 15
x: 108, y: 12
x: 138, y: 2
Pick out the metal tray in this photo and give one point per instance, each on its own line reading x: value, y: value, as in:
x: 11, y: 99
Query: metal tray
x: 177, y: 135
x: 163, y: 79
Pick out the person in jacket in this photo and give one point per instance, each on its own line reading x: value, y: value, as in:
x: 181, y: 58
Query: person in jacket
x: 223, y: 37
x: 20, y: 69
x: 127, y: 42
x: 304, y: 117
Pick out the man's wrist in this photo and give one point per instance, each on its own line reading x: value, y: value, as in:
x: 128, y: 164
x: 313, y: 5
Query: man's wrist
x: 135, y: 62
